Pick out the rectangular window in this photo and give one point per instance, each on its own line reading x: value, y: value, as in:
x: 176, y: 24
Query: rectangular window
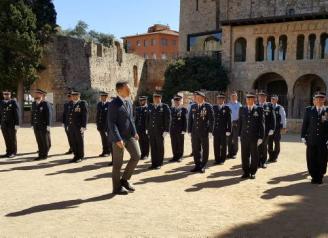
x: 174, y: 42
x: 138, y: 43
x: 153, y: 42
x: 164, y: 57
x: 163, y: 42
x: 145, y: 43
x: 154, y: 56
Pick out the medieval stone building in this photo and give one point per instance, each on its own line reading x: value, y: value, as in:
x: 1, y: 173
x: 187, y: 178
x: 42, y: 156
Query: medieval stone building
x: 280, y: 46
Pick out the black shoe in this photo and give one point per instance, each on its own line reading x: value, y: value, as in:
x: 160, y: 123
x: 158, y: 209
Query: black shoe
x: 245, y: 176
x: 110, y: 163
x: 202, y: 170
x: 4, y: 156
x: 104, y: 155
x: 191, y: 155
x: 316, y: 181
x: 263, y: 166
x: 195, y: 170
x: 252, y: 176
x: 144, y: 157
x: 121, y: 191
x: 229, y: 156
x: 69, y: 152
x: 11, y: 156
x: 125, y: 184
x: 179, y: 160
x: 72, y: 160
x: 40, y: 158
x: 157, y: 167
x: 79, y: 160
x: 172, y: 160
x: 272, y: 161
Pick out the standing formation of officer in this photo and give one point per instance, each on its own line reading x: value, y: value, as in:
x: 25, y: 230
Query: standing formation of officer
x: 270, y: 125
x: 234, y: 106
x: 102, y: 125
x: 178, y: 128
x: 315, y: 136
x: 9, y: 120
x: 140, y: 122
x: 158, y: 126
x: 222, y: 129
x: 67, y: 109
x: 41, y: 119
x: 252, y: 133
x: 76, y: 126
x: 281, y: 126
x: 200, y: 125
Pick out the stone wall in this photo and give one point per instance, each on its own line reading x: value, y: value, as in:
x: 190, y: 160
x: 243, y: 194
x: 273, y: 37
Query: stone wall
x: 236, y: 9
x: 194, y: 21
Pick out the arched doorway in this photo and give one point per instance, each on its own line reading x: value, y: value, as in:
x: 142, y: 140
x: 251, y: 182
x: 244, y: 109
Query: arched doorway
x: 273, y: 83
x: 304, y: 89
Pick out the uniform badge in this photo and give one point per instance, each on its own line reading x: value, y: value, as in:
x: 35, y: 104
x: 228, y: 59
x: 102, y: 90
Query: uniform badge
x: 106, y: 109
x: 77, y: 109
x: 41, y: 108
x: 10, y: 105
x: 223, y: 111
x: 161, y: 109
x: 256, y: 114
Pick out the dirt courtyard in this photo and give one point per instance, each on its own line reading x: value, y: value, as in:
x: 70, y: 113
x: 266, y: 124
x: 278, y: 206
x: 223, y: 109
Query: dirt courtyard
x: 55, y: 199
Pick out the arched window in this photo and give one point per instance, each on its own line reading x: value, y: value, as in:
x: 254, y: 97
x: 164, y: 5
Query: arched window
x: 311, y: 46
x: 300, y: 47
x: 135, y: 76
x: 271, y: 47
x: 240, y: 50
x: 282, y: 47
x: 259, y: 47
x: 324, y: 46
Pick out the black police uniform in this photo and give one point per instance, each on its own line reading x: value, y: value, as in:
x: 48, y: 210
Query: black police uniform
x: 140, y: 122
x: 77, y: 119
x: 67, y: 109
x: 158, y: 122
x: 9, y: 118
x: 102, y: 127
x: 177, y: 129
x: 275, y: 139
x: 270, y: 124
x: 200, y: 124
x: 222, y: 125
x: 315, y: 132
x: 41, y: 119
x: 251, y: 129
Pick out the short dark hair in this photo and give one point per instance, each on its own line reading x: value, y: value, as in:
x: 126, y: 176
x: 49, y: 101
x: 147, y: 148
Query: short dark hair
x: 121, y: 84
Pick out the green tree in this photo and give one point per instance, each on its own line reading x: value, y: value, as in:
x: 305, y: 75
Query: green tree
x: 191, y: 74
x: 20, y: 48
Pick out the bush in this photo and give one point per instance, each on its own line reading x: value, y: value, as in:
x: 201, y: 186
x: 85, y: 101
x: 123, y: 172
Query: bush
x: 191, y: 74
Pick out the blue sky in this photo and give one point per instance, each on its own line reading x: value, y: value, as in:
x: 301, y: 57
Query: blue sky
x: 118, y: 17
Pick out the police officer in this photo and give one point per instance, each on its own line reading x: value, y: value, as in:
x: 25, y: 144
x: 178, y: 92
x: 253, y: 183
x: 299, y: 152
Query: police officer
x: 77, y: 124
x: 67, y: 106
x: 234, y: 106
x: 281, y: 126
x: 251, y: 132
x: 9, y: 119
x: 270, y: 125
x: 158, y: 126
x: 178, y: 128
x: 222, y: 128
x: 315, y: 136
x: 102, y: 124
x: 201, y: 121
x: 41, y: 121
x: 140, y: 122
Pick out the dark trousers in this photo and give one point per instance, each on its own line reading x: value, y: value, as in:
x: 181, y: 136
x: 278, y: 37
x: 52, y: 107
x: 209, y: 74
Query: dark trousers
x: 177, y: 143
x: 249, y: 155
x: 274, y: 145
x: 106, y: 144
x: 233, y: 140
x: 200, y: 150
x: 9, y: 135
x: 157, y: 149
x: 69, y: 140
x: 77, y: 140
x: 220, y: 147
x: 131, y: 145
x: 263, y: 150
x: 42, y: 138
x: 144, y: 144
x: 316, y: 157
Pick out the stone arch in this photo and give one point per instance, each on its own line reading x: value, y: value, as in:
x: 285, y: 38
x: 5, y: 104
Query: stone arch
x: 304, y: 88
x: 119, y: 53
x: 240, y: 50
x: 212, y: 43
x: 273, y: 83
